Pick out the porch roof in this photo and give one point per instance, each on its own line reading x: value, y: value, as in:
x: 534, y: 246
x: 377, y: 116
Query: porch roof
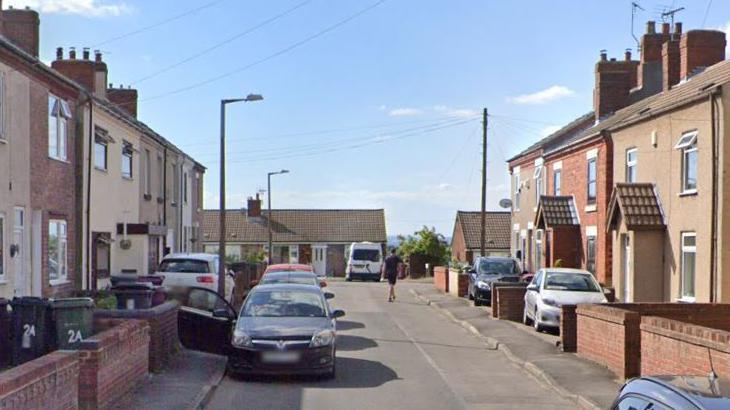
x: 556, y: 211
x: 639, y: 206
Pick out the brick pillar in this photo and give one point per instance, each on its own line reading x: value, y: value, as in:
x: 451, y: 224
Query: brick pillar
x: 568, y: 330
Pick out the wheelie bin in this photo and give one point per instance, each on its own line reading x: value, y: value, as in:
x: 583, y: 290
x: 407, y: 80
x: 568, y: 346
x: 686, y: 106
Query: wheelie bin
x: 4, y: 334
x: 74, y: 321
x: 134, y: 295
x: 32, y: 329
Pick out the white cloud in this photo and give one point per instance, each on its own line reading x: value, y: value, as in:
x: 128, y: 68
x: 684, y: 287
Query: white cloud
x: 87, y: 8
x: 549, y: 94
x: 549, y: 130
x: 405, y: 112
x: 455, y: 112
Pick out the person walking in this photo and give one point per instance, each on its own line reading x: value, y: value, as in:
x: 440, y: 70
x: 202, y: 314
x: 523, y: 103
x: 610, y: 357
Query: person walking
x: 390, y: 272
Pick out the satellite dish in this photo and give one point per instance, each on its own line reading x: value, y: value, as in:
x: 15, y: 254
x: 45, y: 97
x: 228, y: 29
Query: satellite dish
x: 505, y: 203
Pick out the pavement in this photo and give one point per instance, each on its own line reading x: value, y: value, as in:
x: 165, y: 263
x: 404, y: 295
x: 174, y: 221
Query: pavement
x: 583, y: 382
x: 402, y: 355
x: 187, y: 383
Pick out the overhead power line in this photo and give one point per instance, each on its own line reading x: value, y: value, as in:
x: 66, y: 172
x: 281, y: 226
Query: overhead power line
x: 159, y: 23
x: 271, y: 56
x: 224, y: 42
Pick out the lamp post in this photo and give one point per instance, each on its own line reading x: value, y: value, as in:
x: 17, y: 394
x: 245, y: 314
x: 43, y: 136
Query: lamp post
x: 222, y: 231
x: 268, y: 220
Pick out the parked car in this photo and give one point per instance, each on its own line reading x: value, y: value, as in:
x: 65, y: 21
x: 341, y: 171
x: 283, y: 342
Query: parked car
x: 674, y: 392
x: 364, y: 262
x: 485, y: 272
x: 192, y: 270
x: 295, y: 278
x: 289, y: 267
x: 552, y: 288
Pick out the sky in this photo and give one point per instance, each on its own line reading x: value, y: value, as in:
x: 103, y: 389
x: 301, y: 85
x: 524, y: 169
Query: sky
x: 369, y: 103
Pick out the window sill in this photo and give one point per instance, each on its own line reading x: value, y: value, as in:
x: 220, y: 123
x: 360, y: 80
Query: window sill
x: 3, y: 282
x: 691, y: 192
x: 59, y: 282
x: 127, y: 178
x: 685, y: 299
x: 591, y: 208
x: 61, y: 160
x: 101, y: 170
x: 3, y: 141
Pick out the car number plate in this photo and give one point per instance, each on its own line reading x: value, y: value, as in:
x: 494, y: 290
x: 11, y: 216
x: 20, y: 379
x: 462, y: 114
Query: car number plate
x: 279, y: 357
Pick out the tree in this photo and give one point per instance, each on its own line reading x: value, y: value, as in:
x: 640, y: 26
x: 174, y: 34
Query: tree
x: 426, y: 242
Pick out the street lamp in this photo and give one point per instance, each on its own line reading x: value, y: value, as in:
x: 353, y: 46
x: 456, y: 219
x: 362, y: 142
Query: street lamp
x: 222, y: 232
x: 268, y: 220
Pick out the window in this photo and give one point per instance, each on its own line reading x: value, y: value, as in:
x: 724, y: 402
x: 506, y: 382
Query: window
x: 147, y: 173
x: 631, y: 159
x: 688, y: 145
x: 518, y: 188
x: 59, y: 113
x: 538, y: 183
x: 2, y: 246
x: 592, y: 181
x: 689, y: 254
x: 100, y: 154
x: 185, y: 187
x: 127, y: 154
x: 175, y: 184
x: 2, y: 107
x: 557, y: 181
x: 591, y: 254
x: 160, y: 176
x: 57, y: 251
x: 538, y: 248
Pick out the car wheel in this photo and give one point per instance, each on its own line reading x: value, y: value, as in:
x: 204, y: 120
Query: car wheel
x: 477, y: 302
x: 349, y: 279
x: 536, y: 321
x: 526, y: 319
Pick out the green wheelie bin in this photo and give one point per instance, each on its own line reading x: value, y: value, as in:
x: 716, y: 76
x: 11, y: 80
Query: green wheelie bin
x: 32, y: 328
x: 4, y: 334
x: 74, y: 320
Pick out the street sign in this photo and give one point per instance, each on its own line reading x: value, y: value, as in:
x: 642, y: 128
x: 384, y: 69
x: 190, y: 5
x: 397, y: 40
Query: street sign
x: 505, y: 203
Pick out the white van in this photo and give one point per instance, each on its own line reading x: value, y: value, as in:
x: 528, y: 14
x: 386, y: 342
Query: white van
x: 365, y: 261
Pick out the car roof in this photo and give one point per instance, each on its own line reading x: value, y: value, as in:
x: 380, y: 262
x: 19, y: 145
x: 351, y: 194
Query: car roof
x: 199, y: 256
x: 287, y: 286
x: 281, y: 267
x: 496, y: 258
x: 566, y: 270
x: 291, y: 273
x: 700, y: 390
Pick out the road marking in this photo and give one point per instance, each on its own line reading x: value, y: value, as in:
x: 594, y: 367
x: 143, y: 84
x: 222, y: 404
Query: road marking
x: 429, y: 359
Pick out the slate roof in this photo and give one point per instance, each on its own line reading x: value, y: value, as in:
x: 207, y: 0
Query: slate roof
x: 556, y: 210
x: 577, y: 126
x: 497, y: 229
x: 298, y: 225
x: 638, y: 204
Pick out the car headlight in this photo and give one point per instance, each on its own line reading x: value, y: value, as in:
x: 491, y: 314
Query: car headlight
x: 551, y: 302
x: 241, y: 339
x: 322, y: 338
x: 483, y: 285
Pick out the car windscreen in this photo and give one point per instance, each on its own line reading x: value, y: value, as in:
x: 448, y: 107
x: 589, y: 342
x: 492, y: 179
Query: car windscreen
x: 497, y: 267
x: 270, y: 279
x: 184, y: 266
x: 571, y: 282
x: 370, y: 255
x: 284, y: 303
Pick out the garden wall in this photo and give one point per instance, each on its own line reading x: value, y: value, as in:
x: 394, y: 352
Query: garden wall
x: 48, y: 383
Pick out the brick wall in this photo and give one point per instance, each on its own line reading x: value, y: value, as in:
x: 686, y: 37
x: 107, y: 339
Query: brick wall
x: 458, y: 284
x: 162, y: 320
x: 112, y: 362
x: 441, y: 278
x: 673, y: 347
x: 47, y: 383
x: 568, y: 328
x: 509, y: 302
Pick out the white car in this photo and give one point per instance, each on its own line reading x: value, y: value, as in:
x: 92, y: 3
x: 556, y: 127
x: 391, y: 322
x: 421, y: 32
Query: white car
x: 192, y: 270
x: 552, y: 288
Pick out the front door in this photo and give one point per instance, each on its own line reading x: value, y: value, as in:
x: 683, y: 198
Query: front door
x: 100, y: 257
x: 21, y: 275
x: 626, y: 268
x: 319, y: 259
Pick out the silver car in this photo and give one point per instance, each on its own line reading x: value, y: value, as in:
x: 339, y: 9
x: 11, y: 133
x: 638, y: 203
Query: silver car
x: 552, y: 288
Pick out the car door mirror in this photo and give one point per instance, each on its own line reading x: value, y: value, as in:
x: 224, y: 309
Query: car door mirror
x: 533, y: 287
x: 337, y: 313
x: 223, y: 314
x: 329, y: 295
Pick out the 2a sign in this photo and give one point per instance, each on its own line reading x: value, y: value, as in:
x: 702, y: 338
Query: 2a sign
x: 74, y: 336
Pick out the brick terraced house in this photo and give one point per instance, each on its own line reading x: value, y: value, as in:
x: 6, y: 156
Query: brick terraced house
x: 320, y: 237
x: 466, y: 238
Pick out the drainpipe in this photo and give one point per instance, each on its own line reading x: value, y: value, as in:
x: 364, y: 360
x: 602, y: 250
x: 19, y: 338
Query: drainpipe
x: 88, y: 192
x: 715, y: 169
x: 164, y: 199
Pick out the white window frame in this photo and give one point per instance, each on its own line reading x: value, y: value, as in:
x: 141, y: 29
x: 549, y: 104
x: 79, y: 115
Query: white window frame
x: 185, y: 188
x: 687, y: 139
x: 594, y: 238
x: 686, y: 151
x: 101, y: 142
x: 557, y: 181
x: 3, y: 259
x: 594, y: 161
x: 147, y: 160
x: 59, y: 112
x: 161, y: 177
x: 3, y: 103
x: 127, y: 153
x: 518, y: 188
x: 631, y: 165
x: 685, y: 249
x: 539, y: 186
x: 62, y: 251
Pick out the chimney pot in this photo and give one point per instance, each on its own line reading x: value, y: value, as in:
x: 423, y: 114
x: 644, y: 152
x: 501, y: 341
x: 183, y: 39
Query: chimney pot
x: 72, y: 53
x: 59, y: 53
x: 678, y: 28
x: 650, y: 27
x: 111, y: 85
x: 665, y: 28
x: 86, y: 53
x: 627, y: 54
x: 97, y: 56
x: 613, y: 59
x: 604, y: 55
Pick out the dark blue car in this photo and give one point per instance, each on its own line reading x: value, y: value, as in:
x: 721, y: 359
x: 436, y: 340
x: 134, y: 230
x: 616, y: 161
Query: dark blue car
x: 488, y: 270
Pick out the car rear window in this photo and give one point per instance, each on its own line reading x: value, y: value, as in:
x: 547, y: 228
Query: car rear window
x: 370, y: 255
x: 184, y: 266
x: 284, y: 303
x: 294, y: 279
x: 498, y: 267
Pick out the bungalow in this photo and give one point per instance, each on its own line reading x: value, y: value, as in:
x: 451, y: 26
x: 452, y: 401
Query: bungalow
x: 466, y: 239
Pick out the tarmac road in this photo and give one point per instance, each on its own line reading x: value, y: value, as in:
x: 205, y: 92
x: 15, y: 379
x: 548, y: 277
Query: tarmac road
x: 402, y: 355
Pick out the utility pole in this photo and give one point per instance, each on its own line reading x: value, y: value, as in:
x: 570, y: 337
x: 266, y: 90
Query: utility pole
x: 482, y: 238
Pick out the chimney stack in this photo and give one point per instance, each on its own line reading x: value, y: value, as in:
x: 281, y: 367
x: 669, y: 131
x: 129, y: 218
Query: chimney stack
x: 650, y: 66
x: 21, y: 27
x: 670, y: 64
x: 254, y: 207
x: 614, y: 81
x: 699, y: 49
x: 81, y: 71
x: 101, y: 74
x: 124, y: 98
